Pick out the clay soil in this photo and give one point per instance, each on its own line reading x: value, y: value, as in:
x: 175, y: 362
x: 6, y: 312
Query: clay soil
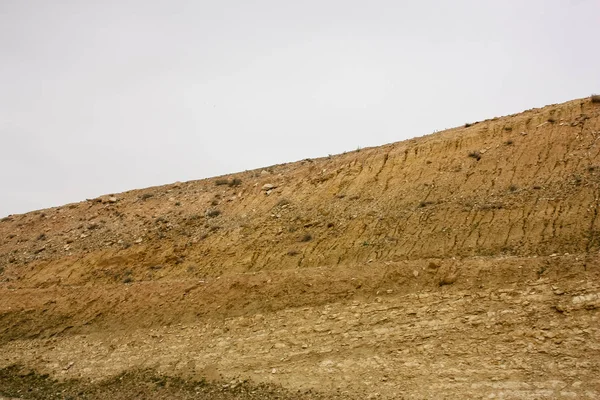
x: 463, y: 264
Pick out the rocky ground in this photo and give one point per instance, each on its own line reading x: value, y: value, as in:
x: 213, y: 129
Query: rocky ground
x: 460, y: 264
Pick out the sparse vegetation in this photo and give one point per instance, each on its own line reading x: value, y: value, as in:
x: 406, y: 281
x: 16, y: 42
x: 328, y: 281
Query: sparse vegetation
x: 467, y: 125
x: 193, y: 217
x: 298, y: 271
x: 213, y: 213
x: 491, y: 206
x: 235, y: 182
x: 508, y: 128
x: 595, y: 98
x: 306, y: 238
x: 146, y: 196
x: 551, y: 120
x: 475, y: 154
x: 222, y: 182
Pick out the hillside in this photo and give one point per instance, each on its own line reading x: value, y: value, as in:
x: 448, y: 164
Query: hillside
x: 465, y: 261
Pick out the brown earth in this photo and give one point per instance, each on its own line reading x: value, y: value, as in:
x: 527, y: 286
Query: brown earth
x: 463, y: 264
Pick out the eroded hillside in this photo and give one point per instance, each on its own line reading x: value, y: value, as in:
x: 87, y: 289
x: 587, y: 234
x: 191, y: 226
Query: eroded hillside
x: 466, y: 260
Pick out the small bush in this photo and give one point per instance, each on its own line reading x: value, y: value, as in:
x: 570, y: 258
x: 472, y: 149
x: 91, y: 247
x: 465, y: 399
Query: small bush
x: 221, y: 182
x: 193, y: 217
x: 595, y: 98
x: 128, y: 280
x: 213, y: 213
x: 235, y: 182
x: 146, y: 196
x: 551, y: 120
x: 491, y: 206
x: 423, y: 204
x: 475, y: 154
x: 468, y: 125
x: 306, y: 238
x: 42, y: 236
x: 512, y: 188
x: 509, y: 142
x: 508, y: 128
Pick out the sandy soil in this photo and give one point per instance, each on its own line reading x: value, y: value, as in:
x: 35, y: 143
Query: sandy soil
x: 460, y: 264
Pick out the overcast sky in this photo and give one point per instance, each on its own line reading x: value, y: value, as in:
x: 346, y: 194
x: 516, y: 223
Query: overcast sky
x: 99, y: 97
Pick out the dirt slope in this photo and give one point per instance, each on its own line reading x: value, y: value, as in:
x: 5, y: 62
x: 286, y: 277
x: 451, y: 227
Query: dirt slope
x: 461, y: 262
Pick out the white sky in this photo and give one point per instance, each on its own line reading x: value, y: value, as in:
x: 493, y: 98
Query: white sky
x: 100, y: 97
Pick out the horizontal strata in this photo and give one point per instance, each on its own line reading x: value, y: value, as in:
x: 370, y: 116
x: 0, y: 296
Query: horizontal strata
x: 465, y: 261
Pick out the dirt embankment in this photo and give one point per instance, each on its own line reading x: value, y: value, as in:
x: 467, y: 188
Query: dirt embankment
x: 461, y: 262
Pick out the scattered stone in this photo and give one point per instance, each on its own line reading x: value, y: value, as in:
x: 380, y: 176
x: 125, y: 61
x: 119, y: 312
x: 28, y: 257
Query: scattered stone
x: 112, y: 199
x: 268, y: 186
x: 138, y: 240
x: 448, y: 279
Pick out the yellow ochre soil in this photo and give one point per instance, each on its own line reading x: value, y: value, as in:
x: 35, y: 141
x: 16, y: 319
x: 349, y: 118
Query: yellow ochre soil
x: 463, y: 264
